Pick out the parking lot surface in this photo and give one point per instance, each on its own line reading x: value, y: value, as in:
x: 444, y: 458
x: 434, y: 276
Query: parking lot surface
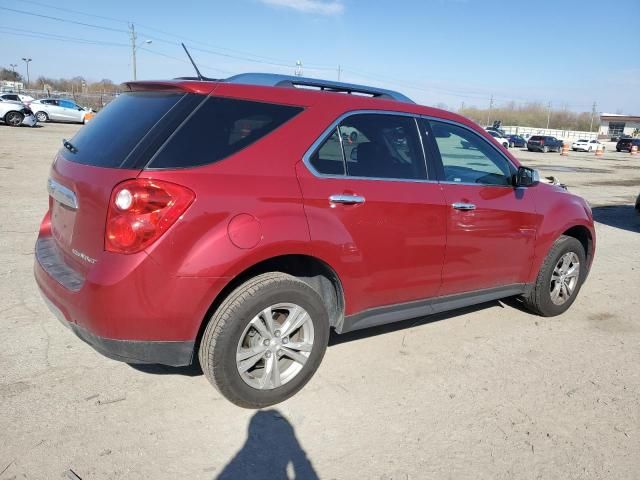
x: 487, y: 392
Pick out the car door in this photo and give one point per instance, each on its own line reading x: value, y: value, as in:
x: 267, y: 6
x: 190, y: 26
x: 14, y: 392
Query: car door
x: 491, y: 226
x: 70, y: 111
x: 54, y: 110
x: 372, y: 211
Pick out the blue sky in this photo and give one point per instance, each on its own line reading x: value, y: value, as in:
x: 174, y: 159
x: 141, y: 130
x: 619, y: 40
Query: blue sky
x: 572, y: 53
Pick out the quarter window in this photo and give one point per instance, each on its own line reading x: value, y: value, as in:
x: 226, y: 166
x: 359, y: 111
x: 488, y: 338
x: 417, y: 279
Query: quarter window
x: 468, y: 158
x: 328, y: 159
x: 220, y: 128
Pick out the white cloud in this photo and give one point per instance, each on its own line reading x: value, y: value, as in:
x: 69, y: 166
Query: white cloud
x: 322, y: 7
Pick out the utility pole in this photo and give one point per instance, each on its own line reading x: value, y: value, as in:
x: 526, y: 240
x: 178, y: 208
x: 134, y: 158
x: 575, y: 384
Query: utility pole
x: 490, y: 108
x: 462, y: 107
x: 339, y: 72
x: 13, y: 69
x: 298, y: 71
x: 548, y: 114
x: 593, y: 113
x: 133, y: 36
x: 134, y: 48
x: 27, y: 60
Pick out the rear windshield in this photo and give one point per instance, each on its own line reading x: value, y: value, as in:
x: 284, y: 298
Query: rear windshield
x: 108, y: 139
x: 536, y: 137
x: 219, y: 128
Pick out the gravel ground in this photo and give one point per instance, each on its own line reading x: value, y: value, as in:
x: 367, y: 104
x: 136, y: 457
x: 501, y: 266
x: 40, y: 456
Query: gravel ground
x: 487, y: 392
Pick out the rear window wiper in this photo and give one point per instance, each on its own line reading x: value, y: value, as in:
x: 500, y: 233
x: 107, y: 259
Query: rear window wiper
x: 69, y: 146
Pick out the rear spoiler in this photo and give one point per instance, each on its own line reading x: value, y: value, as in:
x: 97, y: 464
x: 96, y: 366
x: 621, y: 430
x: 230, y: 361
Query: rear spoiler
x: 188, y: 86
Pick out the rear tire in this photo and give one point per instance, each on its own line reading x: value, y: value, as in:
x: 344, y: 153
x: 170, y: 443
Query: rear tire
x: 540, y: 299
x: 545, y: 149
x: 13, y: 119
x: 42, y: 117
x: 239, y: 327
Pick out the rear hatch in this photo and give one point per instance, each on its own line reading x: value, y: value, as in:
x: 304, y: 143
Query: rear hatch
x: 536, y: 140
x: 113, y: 147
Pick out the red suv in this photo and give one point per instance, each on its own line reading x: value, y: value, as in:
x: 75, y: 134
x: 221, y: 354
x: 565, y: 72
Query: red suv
x: 240, y: 220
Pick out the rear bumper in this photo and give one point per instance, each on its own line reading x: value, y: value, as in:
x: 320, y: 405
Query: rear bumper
x: 175, y: 354
x: 127, y: 307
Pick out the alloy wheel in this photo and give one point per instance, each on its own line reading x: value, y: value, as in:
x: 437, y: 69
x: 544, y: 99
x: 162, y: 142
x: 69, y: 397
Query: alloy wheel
x: 275, y: 346
x: 13, y: 119
x: 564, y: 278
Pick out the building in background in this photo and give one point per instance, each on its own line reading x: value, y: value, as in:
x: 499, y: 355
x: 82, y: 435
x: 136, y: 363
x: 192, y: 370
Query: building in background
x: 615, y: 125
x: 9, y: 86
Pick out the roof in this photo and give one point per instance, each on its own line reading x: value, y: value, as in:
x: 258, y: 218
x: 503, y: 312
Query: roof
x: 619, y: 116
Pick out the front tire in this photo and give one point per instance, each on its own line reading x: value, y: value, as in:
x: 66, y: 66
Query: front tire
x: 13, y: 119
x: 265, y: 341
x: 559, y: 279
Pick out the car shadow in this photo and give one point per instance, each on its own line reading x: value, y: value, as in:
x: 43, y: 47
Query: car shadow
x: 624, y: 217
x: 270, y: 451
x: 337, y: 339
x: 195, y: 370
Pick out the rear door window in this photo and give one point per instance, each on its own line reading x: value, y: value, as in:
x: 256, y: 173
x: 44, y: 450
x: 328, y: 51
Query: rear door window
x: 109, y: 139
x: 219, y: 128
x: 382, y: 146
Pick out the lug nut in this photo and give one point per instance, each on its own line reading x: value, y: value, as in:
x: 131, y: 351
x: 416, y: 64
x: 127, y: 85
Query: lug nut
x: 266, y: 342
x: 277, y: 333
x: 285, y: 340
x: 267, y: 354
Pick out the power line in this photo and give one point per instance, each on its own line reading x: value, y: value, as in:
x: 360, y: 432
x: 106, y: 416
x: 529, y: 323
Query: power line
x: 49, y: 36
x: 63, y: 20
x: 63, y: 9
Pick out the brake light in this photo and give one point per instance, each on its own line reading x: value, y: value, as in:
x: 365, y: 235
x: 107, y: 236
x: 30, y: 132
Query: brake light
x: 542, y: 141
x: 141, y: 210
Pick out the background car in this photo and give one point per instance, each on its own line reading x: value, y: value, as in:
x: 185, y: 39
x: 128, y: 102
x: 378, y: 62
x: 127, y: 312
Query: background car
x: 586, y: 145
x: 543, y: 143
x: 516, y: 141
x: 638, y: 204
x: 16, y: 97
x: 15, y: 114
x: 625, y: 144
x: 60, y: 110
x: 504, y: 141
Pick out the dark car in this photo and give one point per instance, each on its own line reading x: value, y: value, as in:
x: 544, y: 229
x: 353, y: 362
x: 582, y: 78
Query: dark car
x: 638, y: 204
x: 516, y: 141
x: 544, y: 144
x: 230, y: 222
x: 625, y: 144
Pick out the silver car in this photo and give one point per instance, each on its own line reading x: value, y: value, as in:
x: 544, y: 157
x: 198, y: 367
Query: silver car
x: 59, y: 110
x: 15, y: 114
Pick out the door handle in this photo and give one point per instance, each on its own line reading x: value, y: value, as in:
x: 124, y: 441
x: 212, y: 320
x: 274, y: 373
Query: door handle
x: 463, y: 206
x: 346, y: 199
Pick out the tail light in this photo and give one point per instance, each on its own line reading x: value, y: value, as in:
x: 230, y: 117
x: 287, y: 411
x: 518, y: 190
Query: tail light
x: 141, y: 210
x: 542, y: 141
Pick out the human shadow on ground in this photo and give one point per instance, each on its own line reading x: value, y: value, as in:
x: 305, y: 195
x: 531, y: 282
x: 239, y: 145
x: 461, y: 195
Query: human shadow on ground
x: 624, y: 217
x: 271, y: 451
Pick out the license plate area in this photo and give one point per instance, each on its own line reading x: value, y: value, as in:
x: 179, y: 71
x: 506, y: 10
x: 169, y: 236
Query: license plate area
x: 62, y: 223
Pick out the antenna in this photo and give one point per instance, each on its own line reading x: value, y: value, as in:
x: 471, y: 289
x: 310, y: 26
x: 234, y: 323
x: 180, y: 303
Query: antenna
x: 200, y: 77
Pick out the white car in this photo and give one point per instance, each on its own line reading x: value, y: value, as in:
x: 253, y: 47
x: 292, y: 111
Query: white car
x: 16, y: 97
x: 504, y: 141
x: 586, y: 145
x: 59, y: 110
x: 15, y: 114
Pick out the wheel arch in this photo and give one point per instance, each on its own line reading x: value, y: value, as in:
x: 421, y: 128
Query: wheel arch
x: 315, y: 272
x: 584, y: 236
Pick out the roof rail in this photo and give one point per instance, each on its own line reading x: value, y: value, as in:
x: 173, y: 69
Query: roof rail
x: 274, y: 80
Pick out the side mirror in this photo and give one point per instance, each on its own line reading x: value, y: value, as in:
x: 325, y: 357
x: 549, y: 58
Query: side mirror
x: 526, y: 177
